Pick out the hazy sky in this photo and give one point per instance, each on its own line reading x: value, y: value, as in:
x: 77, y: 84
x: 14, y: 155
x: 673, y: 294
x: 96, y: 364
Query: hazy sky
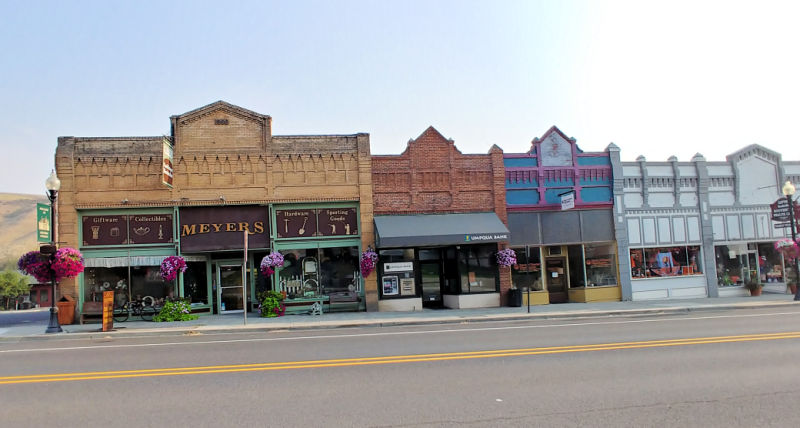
x: 656, y: 78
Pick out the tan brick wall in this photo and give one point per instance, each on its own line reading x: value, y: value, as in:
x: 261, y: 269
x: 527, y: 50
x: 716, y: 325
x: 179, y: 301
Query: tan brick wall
x: 240, y: 161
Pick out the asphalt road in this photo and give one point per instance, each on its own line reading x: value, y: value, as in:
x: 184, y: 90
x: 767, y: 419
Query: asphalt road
x: 732, y: 368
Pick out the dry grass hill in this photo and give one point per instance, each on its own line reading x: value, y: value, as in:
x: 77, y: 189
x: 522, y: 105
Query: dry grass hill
x: 17, y: 226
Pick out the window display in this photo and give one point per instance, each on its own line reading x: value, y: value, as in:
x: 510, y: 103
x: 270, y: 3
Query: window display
x: 324, y: 271
x: 478, y: 269
x: 770, y: 263
x: 195, y: 283
x: 601, y: 265
x: 665, y: 262
x: 527, y: 273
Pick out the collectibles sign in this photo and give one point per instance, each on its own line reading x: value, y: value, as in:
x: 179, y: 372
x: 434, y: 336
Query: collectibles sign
x: 43, y: 223
x: 302, y: 223
x: 221, y: 228
x: 127, y: 229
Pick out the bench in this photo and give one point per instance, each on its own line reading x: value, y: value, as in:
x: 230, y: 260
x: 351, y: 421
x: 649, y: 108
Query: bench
x: 91, y: 309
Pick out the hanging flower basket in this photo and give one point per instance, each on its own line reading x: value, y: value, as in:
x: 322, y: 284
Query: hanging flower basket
x: 270, y: 262
x: 507, y: 257
x: 788, y: 248
x: 171, y: 266
x: 368, y: 261
x: 66, y: 263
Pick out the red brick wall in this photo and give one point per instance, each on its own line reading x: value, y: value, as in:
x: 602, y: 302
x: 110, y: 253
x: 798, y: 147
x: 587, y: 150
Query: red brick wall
x: 433, y: 176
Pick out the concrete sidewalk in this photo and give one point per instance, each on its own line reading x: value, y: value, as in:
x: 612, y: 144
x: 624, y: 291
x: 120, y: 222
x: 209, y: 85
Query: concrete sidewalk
x: 235, y: 322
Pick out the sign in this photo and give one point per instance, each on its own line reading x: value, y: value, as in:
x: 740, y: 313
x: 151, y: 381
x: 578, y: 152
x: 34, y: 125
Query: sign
x: 337, y: 221
x: 105, y: 230
x: 166, y: 170
x: 43, y: 229
x: 108, y: 310
x: 407, y: 287
x: 303, y: 223
x: 780, y: 210
x: 390, y: 286
x: 220, y: 228
x: 398, y: 267
x: 296, y: 223
x: 150, y: 228
x: 491, y: 237
x: 783, y: 225
x: 567, y: 200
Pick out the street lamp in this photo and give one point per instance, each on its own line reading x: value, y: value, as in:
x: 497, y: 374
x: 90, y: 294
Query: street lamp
x: 52, y: 184
x: 788, y: 191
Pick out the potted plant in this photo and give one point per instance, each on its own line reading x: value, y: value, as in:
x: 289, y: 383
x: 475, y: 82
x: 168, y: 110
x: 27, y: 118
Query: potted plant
x: 754, y: 287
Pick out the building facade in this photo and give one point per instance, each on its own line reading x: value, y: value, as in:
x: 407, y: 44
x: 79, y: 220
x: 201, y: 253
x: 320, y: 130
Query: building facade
x: 701, y: 228
x: 440, y: 218
x: 559, y: 202
x: 220, y: 183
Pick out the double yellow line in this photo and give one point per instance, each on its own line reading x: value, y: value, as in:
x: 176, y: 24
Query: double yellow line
x: 395, y: 359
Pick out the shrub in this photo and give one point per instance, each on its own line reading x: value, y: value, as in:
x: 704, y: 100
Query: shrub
x: 177, y: 310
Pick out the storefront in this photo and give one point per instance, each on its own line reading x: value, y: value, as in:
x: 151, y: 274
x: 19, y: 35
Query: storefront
x: 321, y: 245
x: 123, y: 251
x: 562, y: 229
x: 439, y: 260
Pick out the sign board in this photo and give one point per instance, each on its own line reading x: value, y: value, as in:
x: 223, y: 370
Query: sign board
x: 303, y: 223
x: 43, y: 229
x: 407, y: 287
x: 390, y: 286
x: 108, y: 310
x: 780, y: 210
x: 166, y: 170
x: 567, y: 200
x: 220, y: 228
x: 398, y: 267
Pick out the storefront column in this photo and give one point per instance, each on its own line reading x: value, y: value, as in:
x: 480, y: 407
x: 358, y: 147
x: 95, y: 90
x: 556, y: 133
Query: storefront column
x: 706, y: 228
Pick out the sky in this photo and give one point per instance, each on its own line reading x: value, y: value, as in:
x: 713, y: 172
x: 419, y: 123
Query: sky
x: 655, y: 78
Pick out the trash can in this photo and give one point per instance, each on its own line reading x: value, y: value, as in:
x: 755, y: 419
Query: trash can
x: 66, y: 310
x: 515, y: 297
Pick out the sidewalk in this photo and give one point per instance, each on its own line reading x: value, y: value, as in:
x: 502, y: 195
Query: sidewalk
x: 235, y: 322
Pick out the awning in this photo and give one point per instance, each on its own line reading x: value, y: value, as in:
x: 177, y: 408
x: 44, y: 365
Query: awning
x: 109, y: 262
x: 438, y: 229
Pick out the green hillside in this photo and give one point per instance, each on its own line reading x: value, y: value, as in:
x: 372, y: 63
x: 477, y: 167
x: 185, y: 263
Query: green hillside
x: 17, y: 226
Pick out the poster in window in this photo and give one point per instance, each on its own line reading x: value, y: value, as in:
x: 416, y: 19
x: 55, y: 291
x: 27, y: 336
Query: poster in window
x: 407, y: 287
x: 390, y: 286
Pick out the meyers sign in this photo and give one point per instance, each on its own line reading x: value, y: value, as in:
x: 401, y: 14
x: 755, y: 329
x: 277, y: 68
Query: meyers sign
x: 221, y: 228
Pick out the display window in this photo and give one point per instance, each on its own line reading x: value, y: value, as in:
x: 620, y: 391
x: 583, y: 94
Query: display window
x: 478, y: 269
x: 601, y: 264
x: 195, y: 283
x: 659, y: 262
x: 577, y: 273
x: 527, y: 273
x: 770, y: 263
x: 314, y: 272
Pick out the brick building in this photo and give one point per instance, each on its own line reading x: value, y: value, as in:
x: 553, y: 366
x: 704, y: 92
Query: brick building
x: 439, y: 217
x: 129, y: 202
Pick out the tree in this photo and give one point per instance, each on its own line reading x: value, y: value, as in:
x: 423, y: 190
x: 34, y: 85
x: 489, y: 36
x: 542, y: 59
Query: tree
x: 12, y: 285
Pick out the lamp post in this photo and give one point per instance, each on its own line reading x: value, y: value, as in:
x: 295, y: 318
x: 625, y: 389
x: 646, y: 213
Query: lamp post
x: 52, y: 184
x: 788, y: 191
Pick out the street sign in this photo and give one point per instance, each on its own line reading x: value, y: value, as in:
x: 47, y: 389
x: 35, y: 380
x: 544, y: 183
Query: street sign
x: 780, y: 210
x: 782, y: 225
x: 43, y: 223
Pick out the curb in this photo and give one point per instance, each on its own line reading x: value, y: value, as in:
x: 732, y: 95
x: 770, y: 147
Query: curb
x: 454, y: 319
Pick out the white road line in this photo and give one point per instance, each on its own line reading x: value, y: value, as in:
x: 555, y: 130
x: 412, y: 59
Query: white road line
x: 392, y: 333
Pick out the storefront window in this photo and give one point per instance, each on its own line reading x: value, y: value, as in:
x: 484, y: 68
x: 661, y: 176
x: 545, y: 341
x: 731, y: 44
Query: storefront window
x: 527, y: 273
x: 770, y: 263
x: 665, y: 262
x: 146, y: 283
x: 733, y: 265
x: 195, y: 283
x: 324, y: 271
x: 478, y: 270
x: 601, y: 267
x: 100, y: 279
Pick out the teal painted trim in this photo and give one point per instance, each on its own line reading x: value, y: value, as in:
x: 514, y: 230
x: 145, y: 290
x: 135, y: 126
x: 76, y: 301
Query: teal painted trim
x: 559, y: 183
x: 519, y: 162
x: 514, y: 184
x: 597, y: 182
x: 594, y: 160
x: 551, y: 195
x: 522, y: 197
x: 305, y: 244
x: 596, y: 194
x: 83, y: 213
x: 276, y: 242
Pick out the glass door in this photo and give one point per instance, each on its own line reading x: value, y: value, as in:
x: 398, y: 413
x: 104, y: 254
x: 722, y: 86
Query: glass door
x: 229, y: 288
x: 556, y: 279
x: 431, y: 279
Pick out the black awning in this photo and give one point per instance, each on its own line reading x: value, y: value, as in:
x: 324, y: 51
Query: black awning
x: 438, y: 229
